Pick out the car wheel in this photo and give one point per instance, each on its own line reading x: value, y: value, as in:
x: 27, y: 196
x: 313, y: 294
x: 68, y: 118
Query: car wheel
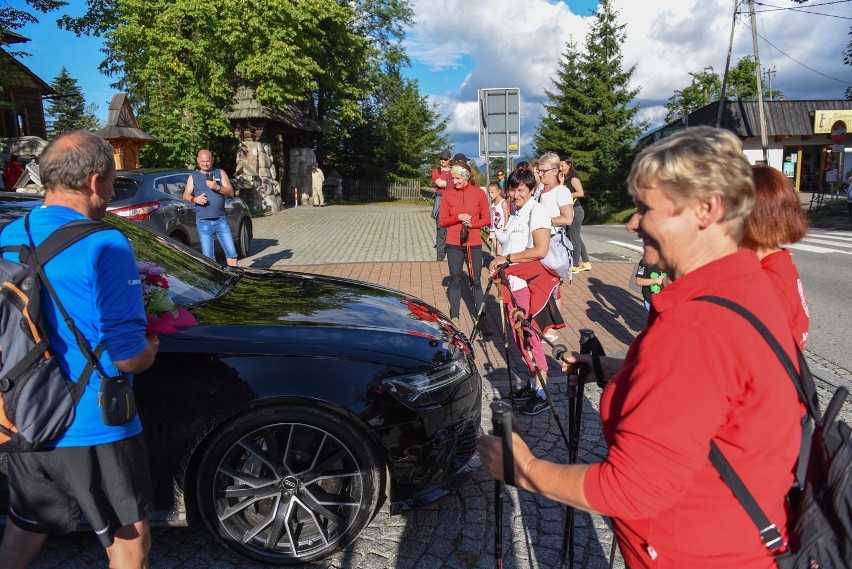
x: 180, y: 237
x: 287, y: 485
x: 243, y: 241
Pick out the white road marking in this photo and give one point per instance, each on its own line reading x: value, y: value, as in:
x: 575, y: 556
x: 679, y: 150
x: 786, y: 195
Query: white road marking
x: 814, y: 249
x: 827, y: 242
x: 630, y: 246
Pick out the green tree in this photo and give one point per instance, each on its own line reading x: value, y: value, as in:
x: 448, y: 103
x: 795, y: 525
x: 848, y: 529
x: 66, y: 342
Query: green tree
x: 399, y: 134
x: 181, y: 61
x: 68, y: 109
x: 742, y: 82
x: 591, y: 113
x: 566, y: 122
x: 705, y: 88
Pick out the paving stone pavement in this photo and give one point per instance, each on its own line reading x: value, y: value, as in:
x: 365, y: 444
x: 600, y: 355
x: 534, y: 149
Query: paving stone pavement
x: 392, y: 245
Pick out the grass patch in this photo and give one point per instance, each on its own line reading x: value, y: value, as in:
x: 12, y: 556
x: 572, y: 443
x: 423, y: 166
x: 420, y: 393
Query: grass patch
x: 614, y: 217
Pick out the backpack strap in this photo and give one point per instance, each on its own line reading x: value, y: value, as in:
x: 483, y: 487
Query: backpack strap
x: 38, y: 257
x: 769, y: 533
x: 804, y: 384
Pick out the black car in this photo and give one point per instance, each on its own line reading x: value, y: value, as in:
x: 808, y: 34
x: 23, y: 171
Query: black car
x: 154, y: 197
x: 297, y: 403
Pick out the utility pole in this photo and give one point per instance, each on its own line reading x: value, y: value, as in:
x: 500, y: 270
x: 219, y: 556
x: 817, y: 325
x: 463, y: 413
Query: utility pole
x: 764, y: 142
x: 727, y: 67
x: 769, y: 73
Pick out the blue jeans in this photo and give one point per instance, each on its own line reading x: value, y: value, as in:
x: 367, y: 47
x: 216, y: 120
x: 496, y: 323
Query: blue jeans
x: 219, y: 227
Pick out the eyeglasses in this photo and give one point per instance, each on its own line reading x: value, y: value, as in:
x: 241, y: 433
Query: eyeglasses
x: 542, y: 172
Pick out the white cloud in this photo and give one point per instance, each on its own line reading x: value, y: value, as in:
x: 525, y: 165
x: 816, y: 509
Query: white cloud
x: 496, y: 43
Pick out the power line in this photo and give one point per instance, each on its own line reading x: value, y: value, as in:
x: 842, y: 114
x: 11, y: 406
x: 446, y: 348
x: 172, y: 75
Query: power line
x: 788, y: 56
x: 803, y: 10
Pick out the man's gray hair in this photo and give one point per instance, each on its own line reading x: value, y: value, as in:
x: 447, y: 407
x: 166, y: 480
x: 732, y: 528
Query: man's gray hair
x: 70, y: 160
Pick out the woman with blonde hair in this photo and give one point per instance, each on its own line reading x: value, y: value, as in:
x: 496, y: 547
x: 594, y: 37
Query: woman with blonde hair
x: 464, y: 210
x: 699, y: 373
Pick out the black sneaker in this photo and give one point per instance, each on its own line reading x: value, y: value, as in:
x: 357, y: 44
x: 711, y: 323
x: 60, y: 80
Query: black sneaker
x: 533, y: 406
x: 522, y: 394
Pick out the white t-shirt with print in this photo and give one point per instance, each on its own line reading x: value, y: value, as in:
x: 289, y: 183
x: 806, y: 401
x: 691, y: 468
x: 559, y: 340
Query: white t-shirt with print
x: 517, y: 235
x: 554, y: 199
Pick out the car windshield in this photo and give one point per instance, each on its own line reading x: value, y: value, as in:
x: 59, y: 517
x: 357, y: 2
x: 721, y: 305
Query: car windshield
x: 192, y: 277
x: 124, y: 188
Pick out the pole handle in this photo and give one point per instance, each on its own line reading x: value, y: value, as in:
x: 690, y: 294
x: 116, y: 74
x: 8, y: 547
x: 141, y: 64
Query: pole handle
x: 502, y: 423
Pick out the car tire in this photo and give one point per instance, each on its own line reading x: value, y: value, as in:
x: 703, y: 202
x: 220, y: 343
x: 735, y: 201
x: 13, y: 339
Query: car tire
x: 288, y: 485
x: 243, y: 240
x: 180, y: 237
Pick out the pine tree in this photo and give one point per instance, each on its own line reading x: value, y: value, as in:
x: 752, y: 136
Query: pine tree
x: 589, y: 114
x: 614, y: 130
x: 562, y: 128
x: 68, y: 109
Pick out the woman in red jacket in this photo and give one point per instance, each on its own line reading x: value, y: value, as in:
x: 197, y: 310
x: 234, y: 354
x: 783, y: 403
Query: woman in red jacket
x: 778, y: 218
x: 698, y: 373
x: 464, y: 210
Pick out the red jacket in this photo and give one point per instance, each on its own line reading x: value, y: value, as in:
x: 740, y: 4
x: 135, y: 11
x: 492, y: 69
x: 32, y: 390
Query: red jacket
x: 782, y: 272
x: 446, y: 175
x: 699, y: 372
x: 469, y: 199
x: 12, y: 173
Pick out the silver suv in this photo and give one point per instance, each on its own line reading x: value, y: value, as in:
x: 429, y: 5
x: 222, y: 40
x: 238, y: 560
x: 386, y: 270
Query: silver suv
x: 154, y: 198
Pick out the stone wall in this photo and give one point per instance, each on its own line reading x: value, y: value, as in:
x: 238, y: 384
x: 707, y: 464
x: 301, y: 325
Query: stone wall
x: 256, y: 177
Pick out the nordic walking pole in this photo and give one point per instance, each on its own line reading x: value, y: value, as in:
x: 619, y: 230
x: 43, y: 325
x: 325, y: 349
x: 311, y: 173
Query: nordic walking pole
x: 503, y: 318
x: 589, y: 344
x: 480, y: 313
x: 501, y: 423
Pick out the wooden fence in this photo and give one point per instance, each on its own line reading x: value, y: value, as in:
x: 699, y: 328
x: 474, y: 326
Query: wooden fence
x: 381, y: 190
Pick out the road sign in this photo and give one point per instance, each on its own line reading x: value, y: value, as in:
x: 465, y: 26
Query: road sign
x: 838, y: 132
x: 499, y: 122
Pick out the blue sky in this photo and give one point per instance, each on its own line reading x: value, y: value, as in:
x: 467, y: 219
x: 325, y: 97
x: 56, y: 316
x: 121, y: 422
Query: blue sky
x: 460, y: 46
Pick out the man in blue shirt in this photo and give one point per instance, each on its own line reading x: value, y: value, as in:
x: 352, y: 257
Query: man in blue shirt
x: 99, y: 470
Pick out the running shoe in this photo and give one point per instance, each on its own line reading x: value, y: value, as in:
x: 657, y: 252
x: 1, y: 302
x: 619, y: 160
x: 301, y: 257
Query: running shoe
x: 586, y: 267
x: 524, y: 393
x: 533, y: 406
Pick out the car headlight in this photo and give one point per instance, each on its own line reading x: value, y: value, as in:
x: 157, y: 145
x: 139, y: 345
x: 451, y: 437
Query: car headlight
x: 433, y: 386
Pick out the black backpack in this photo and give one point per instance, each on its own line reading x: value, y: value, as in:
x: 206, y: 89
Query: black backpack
x: 821, y: 535
x: 37, y: 400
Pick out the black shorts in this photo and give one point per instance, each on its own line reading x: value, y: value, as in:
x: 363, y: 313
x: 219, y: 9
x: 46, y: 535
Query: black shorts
x: 109, y: 484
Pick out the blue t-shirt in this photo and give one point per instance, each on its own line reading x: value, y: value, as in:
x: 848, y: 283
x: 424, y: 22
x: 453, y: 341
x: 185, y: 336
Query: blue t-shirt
x: 215, y: 206
x: 98, y: 282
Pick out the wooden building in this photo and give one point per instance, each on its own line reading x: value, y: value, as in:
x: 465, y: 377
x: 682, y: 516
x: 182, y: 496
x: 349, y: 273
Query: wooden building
x: 21, y: 94
x: 798, y: 135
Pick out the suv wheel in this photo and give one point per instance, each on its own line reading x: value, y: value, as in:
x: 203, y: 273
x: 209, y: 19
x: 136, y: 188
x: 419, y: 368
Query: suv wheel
x: 287, y: 485
x: 243, y: 240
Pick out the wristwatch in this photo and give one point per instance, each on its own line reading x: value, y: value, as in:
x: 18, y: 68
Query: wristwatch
x: 509, y: 258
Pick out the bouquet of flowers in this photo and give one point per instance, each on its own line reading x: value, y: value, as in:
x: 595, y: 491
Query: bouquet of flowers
x: 163, y: 315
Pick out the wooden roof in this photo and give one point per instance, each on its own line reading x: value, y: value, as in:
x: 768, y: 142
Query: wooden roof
x: 121, y: 122
x: 245, y: 105
x: 783, y: 118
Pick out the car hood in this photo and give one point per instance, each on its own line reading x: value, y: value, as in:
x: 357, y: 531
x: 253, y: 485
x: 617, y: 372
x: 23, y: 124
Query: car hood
x: 282, y: 310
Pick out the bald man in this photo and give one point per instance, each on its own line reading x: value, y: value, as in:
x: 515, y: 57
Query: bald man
x: 207, y: 189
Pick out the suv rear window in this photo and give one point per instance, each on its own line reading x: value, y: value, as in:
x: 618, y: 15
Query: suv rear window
x: 124, y: 189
